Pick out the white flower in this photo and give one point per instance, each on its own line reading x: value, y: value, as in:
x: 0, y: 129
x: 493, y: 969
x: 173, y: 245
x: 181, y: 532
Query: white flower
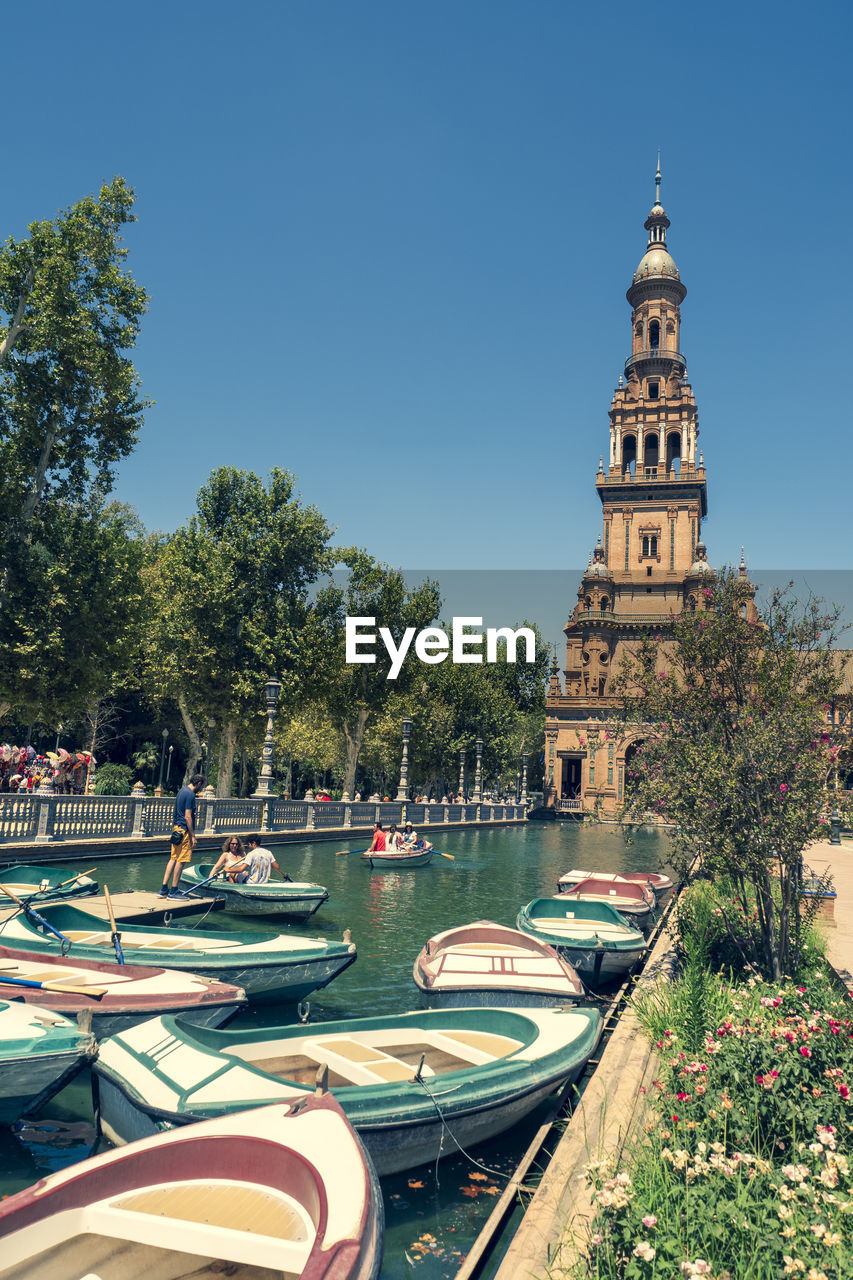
x: 644, y: 1250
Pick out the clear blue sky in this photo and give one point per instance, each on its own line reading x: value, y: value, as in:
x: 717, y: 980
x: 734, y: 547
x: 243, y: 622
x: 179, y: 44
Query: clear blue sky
x: 388, y: 245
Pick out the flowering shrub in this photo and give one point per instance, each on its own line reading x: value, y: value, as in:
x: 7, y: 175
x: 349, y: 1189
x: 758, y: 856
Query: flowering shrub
x: 745, y: 1171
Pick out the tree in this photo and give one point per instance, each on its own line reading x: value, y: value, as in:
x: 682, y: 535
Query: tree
x: 71, y: 626
x: 230, y: 595
x: 728, y: 715
x: 357, y: 693
x: 70, y: 407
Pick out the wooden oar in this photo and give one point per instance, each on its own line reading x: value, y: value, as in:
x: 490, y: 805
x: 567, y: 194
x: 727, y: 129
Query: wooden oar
x: 451, y: 856
x: 32, y: 914
x: 115, y: 935
x: 344, y: 853
x: 71, y: 879
x: 94, y: 992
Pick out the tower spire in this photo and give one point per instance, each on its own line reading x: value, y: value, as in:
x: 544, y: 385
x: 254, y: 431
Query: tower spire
x: 657, y: 181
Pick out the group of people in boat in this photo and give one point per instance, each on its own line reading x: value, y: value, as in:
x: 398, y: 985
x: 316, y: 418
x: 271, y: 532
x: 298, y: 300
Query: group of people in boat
x: 246, y: 866
x: 385, y: 841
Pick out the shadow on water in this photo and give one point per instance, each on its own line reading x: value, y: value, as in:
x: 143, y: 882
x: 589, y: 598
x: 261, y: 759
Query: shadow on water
x: 433, y: 1215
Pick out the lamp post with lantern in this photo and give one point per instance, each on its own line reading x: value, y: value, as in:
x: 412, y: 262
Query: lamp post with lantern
x: 461, y: 777
x: 478, y: 772
x: 523, y: 799
x: 159, y: 790
x: 272, y: 689
x: 403, y: 788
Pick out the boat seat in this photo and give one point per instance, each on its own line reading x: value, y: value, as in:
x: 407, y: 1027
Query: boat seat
x: 485, y: 1043
x: 361, y: 1063
x: 236, y: 1208
x: 86, y: 935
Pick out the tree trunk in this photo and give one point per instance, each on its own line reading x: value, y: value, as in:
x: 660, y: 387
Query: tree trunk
x: 354, y: 735
x: 7, y: 346
x: 194, y: 754
x: 224, y: 782
x: 244, y: 776
x: 5, y: 708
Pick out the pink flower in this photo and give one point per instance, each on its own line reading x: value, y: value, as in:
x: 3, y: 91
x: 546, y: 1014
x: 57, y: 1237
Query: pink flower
x: 843, y: 1091
x: 783, y: 787
x: 650, y: 1221
x: 806, y: 1053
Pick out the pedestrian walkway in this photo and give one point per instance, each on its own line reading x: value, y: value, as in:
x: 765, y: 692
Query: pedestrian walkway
x: 837, y: 860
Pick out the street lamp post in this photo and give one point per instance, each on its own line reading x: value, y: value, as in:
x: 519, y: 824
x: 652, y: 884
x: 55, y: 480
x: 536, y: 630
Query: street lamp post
x: 403, y: 788
x: 159, y: 790
x: 478, y: 773
x: 169, y: 763
x: 211, y: 725
x: 204, y: 757
x: 524, y: 756
x: 272, y: 689
x: 461, y: 776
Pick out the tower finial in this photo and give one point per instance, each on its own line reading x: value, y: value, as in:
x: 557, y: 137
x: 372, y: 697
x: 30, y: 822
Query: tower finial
x: 657, y: 181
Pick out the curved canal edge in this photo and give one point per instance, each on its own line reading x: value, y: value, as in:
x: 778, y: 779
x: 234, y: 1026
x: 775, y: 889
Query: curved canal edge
x: 611, y: 1107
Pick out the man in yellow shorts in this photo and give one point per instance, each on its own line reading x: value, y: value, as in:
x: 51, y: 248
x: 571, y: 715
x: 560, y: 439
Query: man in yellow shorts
x: 183, y: 835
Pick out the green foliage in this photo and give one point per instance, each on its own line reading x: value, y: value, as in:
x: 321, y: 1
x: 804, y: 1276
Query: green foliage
x: 69, y: 396
x: 70, y: 628
x: 745, y: 1168
x: 729, y: 713
x: 113, y: 780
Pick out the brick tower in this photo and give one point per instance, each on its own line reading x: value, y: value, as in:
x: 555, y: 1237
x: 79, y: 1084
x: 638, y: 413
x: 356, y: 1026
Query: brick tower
x: 650, y: 558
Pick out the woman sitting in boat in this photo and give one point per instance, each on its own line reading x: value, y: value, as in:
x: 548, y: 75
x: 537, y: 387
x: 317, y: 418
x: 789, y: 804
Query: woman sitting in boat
x: 409, y: 837
x: 232, y: 861
x: 393, y: 840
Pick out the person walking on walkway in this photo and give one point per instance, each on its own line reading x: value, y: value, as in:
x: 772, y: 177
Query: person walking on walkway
x: 183, y: 837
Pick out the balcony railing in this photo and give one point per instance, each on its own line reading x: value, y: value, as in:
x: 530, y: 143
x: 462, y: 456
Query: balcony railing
x: 655, y: 353
x: 639, y: 619
x: 570, y: 806
x: 653, y: 474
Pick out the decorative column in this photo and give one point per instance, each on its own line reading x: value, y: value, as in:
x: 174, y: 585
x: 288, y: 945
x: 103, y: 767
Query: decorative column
x: 461, y: 777
x: 137, y: 795
x: 272, y: 689
x: 523, y: 800
x: 403, y: 788
x: 478, y: 773
x: 46, y: 811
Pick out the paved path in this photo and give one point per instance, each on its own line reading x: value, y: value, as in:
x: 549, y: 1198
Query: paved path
x: 836, y: 859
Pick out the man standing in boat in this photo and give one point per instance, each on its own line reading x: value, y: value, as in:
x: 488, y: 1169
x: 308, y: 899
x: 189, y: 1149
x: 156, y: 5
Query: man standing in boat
x: 183, y: 837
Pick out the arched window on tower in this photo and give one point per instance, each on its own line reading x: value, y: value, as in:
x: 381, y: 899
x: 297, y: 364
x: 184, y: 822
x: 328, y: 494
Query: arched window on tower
x: 673, y: 451
x: 604, y: 604
x: 654, y: 334
x: 650, y: 452
x: 629, y: 453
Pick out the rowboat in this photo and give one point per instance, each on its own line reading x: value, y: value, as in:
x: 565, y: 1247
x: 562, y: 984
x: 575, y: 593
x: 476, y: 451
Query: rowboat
x: 398, y: 859
x: 283, y: 1192
x: 654, y: 880
x: 268, y: 966
x: 415, y: 1086
x: 39, y: 1052
x: 634, y: 901
x: 295, y: 899
x: 115, y: 995
x: 45, y: 884
x: 592, y: 936
x: 488, y: 964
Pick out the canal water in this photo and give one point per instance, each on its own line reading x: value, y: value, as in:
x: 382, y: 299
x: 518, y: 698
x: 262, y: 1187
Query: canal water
x: 432, y: 1214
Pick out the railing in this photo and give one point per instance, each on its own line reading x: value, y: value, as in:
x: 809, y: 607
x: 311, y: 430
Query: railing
x: 641, y: 619
x: 652, y: 475
x: 45, y: 819
x: 655, y: 353
x: 570, y: 806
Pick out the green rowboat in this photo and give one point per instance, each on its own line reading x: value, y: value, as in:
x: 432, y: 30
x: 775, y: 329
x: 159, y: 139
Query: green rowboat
x: 592, y: 936
x: 413, y: 1085
x: 268, y: 966
x: 293, y: 899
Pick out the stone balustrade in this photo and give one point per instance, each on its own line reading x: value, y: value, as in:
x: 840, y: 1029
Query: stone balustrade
x: 45, y: 819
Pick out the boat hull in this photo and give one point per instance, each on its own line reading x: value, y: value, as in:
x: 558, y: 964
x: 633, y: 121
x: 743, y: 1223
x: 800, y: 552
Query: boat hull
x: 288, y: 901
x: 282, y: 1192
x: 268, y: 967
x: 39, y: 1053
x: 596, y: 939
x: 397, y: 861
x: 396, y: 1118
x: 25, y: 881
x: 487, y: 965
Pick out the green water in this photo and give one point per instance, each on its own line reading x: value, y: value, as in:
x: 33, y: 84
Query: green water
x: 431, y: 1216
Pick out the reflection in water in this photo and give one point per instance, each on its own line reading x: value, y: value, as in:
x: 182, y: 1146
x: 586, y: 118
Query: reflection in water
x: 432, y: 1217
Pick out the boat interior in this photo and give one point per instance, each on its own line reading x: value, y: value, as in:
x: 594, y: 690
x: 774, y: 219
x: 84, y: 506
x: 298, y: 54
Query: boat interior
x: 176, y: 1231
x: 376, y: 1057
x: 59, y: 977
x: 582, y: 929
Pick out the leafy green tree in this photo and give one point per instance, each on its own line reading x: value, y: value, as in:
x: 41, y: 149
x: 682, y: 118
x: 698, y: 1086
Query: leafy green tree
x: 230, y: 595
x: 357, y: 693
x: 729, y: 718
x: 70, y: 630
x: 307, y: 736
x: 70, y: 407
